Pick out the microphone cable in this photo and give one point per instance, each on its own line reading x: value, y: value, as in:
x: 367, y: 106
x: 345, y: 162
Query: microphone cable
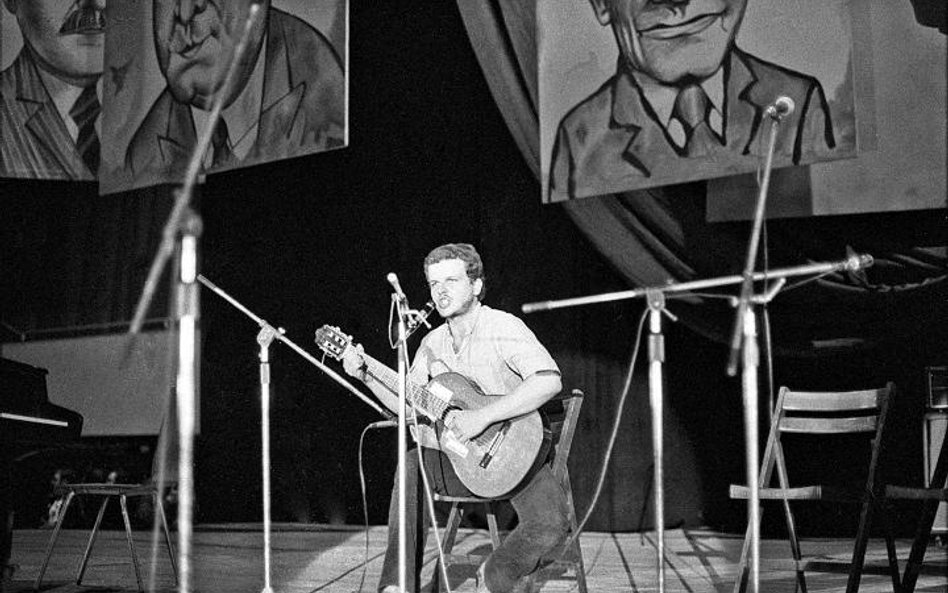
x: 365, y: 503
x: 429, y: 500
x: 626, y: 388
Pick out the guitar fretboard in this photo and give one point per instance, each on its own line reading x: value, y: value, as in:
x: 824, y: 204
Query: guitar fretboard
x: 418, y: 396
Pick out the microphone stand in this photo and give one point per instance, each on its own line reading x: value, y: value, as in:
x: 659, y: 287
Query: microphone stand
x: 744, y: 340
x: 401, y: 304
x: 656, y: 297
x: 656, y: 357
x: 264, y: 338
x: 185, y: 221
x: 188, y: 312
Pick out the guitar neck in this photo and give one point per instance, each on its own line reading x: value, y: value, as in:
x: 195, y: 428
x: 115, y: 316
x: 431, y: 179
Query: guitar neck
x: 416, y: 395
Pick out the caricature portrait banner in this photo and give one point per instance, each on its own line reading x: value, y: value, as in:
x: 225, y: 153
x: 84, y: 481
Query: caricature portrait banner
x: 50, y: 83
x: 165, y: 61
x: 637, y: 94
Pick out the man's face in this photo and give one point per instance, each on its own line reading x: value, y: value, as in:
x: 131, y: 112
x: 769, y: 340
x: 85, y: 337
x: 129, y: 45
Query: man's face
x: 452, y: 291
x: 66, y: 36
x: 195, y: 41
x: 670, y: 40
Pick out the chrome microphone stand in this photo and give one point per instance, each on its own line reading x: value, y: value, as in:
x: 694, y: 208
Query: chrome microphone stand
x: 401, y: 305
x: 188, y: 312
x: 656, y: 383
x: 744, y: 340
x: 184, y: 221
x: 264, y: 338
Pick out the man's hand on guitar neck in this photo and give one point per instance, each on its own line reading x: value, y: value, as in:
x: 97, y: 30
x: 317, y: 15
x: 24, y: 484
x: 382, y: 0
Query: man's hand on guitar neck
x: 354, y: 363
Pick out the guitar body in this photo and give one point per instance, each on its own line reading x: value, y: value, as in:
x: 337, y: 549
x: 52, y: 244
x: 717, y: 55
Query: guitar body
x: 497, y: 461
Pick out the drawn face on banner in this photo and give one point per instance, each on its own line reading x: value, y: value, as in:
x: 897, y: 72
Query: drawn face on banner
x: 66, y: 37
x: 671, y: 40
x: 195, y: 41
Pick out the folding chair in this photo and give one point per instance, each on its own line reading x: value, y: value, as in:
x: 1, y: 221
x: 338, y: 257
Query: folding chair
x: 107, y: 491
x: 563, y: 413
x: 825, y: 416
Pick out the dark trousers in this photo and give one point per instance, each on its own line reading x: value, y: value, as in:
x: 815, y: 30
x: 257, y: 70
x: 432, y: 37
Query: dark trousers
x: 541, y: 513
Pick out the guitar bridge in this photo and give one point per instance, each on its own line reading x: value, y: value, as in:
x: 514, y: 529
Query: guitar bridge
x: 495, y: 444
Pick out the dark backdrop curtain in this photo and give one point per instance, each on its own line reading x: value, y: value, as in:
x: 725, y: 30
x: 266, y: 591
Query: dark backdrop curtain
x: 74, y: 260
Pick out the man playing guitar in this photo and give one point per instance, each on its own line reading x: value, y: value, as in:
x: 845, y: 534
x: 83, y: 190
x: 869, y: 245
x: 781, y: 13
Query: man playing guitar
x: 497, y: 352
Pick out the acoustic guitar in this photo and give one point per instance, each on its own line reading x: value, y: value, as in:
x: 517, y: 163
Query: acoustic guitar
x: 490, y: 465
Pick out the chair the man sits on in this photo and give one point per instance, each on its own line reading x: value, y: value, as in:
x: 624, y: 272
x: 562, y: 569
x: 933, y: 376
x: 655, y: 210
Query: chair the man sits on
x: 562, y: 412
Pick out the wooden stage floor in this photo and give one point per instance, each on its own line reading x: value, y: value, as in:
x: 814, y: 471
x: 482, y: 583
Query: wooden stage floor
x: 311, y: 559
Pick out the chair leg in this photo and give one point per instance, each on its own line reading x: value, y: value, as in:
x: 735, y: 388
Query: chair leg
x: 123, y: 502
x: 919, y: 545
x: 784, y: 482
x: 740, y: 584
x: 580, y: 567
x: 862, y: 542
x: 447, y: 543
x: 795, y: 546
x: 52, y: 540
x: 492, y: 525
x: 884, y: 512
x: 95, y: 531
x: 160, y: 509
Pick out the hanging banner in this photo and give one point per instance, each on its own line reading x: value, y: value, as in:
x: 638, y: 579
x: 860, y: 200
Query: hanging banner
x: 50, y: 81
x: 643, y: 94
x: 166, y: 60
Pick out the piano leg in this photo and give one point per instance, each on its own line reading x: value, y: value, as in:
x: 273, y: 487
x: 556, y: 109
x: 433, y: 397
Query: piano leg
x: 6, y: 514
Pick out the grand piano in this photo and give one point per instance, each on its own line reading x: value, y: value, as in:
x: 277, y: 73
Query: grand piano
x: 28, y: 422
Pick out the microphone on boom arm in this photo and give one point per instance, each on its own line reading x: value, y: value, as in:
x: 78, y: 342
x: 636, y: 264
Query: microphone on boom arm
x: 782, y: 107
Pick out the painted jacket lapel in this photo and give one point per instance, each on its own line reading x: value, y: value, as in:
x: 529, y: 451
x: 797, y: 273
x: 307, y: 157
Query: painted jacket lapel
x: 47, y: 131
x: 281, y: 98
x: 179, y: 137
x: 745, y: 105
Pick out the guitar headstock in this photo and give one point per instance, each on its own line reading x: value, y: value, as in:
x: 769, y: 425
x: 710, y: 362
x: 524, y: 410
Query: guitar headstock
x: 332, y: 341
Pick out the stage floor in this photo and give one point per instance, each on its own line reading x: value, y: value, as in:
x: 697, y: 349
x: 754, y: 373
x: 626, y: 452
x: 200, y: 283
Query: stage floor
x: 310, y: 559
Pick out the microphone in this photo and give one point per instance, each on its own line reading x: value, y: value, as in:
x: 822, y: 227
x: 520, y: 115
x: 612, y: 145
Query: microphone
x: 418, y: 318
x: 858, y: 261
x: 782, y: 107
x: 393, y: 280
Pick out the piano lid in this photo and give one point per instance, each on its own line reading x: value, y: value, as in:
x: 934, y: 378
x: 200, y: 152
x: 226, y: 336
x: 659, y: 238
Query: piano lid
x: 22, y: 386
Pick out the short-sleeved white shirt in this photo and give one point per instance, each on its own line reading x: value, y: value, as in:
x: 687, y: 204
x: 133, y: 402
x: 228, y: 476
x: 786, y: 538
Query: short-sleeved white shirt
x: 498, y: 354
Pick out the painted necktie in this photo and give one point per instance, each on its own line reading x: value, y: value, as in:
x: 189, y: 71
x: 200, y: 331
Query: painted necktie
x: 691, y: 109
x: 220, y: 140
x: 84, y: 112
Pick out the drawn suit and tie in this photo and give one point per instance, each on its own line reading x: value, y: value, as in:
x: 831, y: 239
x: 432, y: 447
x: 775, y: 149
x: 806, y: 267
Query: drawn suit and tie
x: 50, y: 108
x: 293, y: 70
x: 685, y: 104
